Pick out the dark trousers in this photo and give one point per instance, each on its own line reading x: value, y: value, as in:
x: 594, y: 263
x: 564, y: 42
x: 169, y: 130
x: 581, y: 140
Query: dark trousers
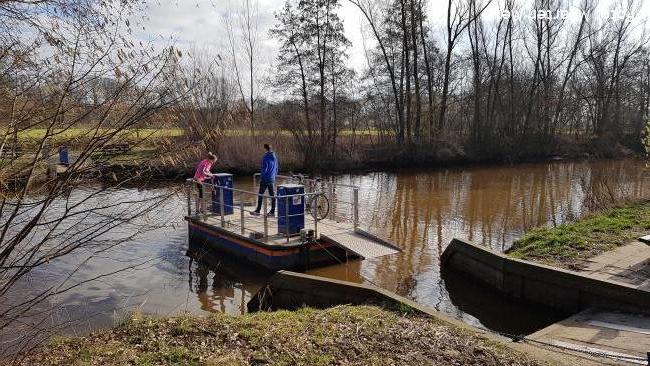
x: 263, y: 187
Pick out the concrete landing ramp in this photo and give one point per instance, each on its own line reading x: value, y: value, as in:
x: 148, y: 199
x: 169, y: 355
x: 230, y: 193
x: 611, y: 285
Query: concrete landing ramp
x: 360, y: 242
x: 612, y: 335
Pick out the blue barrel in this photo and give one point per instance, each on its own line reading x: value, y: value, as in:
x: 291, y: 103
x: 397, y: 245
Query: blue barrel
x: 294, y: 207
x: 223, y: 180
x: 64, y: 159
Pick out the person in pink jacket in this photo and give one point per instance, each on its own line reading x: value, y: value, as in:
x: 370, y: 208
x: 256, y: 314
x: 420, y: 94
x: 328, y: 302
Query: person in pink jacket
x: 201, y: 174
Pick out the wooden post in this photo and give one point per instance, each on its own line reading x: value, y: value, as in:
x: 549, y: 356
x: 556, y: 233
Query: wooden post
x: 45, y: 153
x: 50, y: 169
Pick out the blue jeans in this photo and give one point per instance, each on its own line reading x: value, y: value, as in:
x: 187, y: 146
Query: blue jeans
x: 263, y: 187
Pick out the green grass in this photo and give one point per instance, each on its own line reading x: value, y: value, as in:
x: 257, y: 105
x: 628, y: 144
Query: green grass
x: 348, y: 335
x: 35, y: 134
x: 570, y: 244
x: 268, y: 133
x: 133, y: 156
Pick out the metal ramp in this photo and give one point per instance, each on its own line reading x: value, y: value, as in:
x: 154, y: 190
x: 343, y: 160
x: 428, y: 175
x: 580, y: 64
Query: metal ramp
x: 359, y: 242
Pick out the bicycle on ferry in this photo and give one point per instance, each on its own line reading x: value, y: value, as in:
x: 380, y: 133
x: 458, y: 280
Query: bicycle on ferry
x: 317, y: 199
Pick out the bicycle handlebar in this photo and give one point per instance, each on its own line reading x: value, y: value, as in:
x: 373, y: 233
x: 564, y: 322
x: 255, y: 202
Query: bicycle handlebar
x: 300, y: 177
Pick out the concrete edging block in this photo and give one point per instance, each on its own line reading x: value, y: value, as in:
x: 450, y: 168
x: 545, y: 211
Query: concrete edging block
x: 290, y: 290
x: 555, y: 287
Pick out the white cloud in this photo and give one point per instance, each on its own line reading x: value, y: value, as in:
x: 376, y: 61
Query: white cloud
x: 200, y: 23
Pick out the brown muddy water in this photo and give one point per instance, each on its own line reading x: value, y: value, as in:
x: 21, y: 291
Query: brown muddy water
x: 419, y: 211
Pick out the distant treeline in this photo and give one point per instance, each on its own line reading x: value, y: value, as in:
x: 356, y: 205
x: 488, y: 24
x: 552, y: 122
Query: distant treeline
x: 481, y: 86
x: 472, y: 86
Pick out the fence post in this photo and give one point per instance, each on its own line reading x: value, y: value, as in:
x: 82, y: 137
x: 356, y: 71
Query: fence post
x: 199, y: 200
x: 266, y: 219
x: 356, y: 207
x: 242, y: 217
x: 223, y: 221
x: 331, y: 197
x: 286, y: 216
x: 315, y: 215
x: 45, y: 153
x: 188, y: 192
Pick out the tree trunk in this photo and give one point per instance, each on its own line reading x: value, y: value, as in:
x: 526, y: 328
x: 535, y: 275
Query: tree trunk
x: 416, y: 76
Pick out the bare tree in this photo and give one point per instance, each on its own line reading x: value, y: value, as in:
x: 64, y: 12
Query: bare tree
x: 464, y: 14
x: 311, y: 66
x: 51, y: 67
x: 205, y: 108
x: 369, y: 10
x: 243, y: 37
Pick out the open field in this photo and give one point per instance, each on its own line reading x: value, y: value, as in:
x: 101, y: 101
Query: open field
x: 568, y: 245
x: 70, y: 134
x: 134, y: 156
x: 349, y: 335
x: 36, y: 134
x: 244, y: 132
x: 171, y: 154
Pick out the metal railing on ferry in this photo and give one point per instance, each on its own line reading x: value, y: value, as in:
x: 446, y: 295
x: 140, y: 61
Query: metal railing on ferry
x: 328, y: 187
x: 247, y: 223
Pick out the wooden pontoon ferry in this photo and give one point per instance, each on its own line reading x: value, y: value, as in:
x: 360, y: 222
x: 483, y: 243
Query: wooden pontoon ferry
x: 300, y: 236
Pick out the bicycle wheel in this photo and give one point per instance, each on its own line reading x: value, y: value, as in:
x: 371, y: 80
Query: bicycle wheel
x: 322, y: 204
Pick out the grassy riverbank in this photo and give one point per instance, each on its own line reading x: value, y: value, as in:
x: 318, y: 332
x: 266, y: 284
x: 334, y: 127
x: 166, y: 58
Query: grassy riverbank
x: 568, y: 245
x: 169, y: 153
x: 350, y: 335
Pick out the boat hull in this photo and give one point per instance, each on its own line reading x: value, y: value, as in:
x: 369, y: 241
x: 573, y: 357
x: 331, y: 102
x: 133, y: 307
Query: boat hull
x: 270, y: 257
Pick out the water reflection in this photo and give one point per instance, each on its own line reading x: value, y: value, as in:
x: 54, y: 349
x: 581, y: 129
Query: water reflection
x: 419, y: 211
x: 493, y: 206
x: 221, y: 284
x: 490, y: 205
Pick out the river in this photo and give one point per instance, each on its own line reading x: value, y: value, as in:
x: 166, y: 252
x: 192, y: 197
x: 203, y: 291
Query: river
x: 420, y: 211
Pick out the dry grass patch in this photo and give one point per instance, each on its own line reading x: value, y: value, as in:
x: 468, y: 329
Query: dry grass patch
x: 344, y: 335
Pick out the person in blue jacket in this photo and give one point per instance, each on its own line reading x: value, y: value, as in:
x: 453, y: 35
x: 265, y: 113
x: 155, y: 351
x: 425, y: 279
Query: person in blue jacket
x: 268, y: 172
